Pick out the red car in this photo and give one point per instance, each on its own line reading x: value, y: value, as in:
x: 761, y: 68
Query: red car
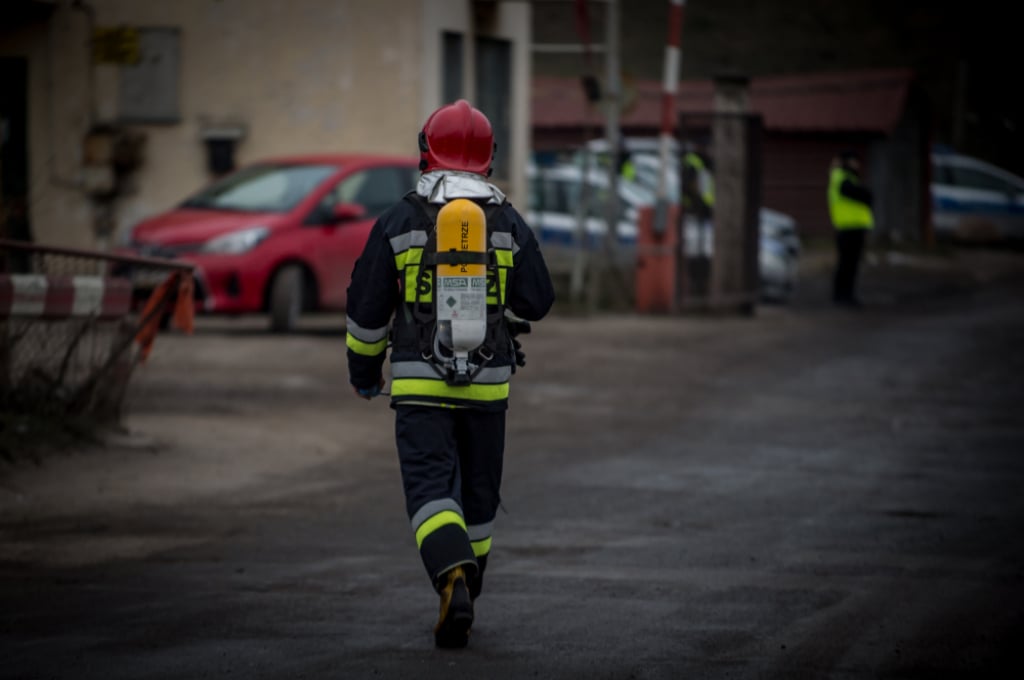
x: 280, y: 236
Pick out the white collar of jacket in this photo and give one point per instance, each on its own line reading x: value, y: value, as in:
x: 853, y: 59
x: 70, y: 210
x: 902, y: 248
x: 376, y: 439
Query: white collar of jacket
x: 441, y: 186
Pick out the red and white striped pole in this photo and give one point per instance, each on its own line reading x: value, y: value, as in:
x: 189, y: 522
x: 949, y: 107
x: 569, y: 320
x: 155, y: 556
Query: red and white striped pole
x: 670, y: 86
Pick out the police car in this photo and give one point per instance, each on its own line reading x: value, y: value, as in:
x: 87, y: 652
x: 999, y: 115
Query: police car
x: 973, y: 200
x: 559, y: 198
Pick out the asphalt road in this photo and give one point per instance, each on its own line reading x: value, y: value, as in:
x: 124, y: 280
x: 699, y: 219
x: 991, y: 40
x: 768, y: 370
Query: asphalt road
x: 808, y: 493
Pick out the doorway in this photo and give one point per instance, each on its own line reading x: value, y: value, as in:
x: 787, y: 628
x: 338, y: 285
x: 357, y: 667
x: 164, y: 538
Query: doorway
x: 14, y: 223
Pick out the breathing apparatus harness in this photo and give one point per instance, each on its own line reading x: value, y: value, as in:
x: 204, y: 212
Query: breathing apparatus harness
x: 459, y: 366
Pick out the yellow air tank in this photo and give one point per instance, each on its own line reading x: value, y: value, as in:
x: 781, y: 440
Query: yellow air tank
x: 461, y: 281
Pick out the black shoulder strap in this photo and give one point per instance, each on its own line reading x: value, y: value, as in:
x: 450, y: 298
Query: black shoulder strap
x: 430, y: 255
x: 426, y: 208
x: 423, y: 311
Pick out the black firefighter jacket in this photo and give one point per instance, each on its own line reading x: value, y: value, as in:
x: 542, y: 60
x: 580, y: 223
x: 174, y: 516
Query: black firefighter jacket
x: 391, y: 288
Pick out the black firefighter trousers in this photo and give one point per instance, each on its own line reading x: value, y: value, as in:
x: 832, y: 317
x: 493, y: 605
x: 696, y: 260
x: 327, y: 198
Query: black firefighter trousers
x: 451, y: 460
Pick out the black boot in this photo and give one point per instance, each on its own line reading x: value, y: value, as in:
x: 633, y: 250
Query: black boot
x: 456, y: 618
x: 475, y: 579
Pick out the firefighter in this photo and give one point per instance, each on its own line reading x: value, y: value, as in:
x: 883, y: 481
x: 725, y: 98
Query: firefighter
x: 849, y: 204
x: 449, y: 394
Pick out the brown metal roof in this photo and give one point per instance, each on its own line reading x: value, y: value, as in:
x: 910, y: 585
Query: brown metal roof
x: 863, y: 101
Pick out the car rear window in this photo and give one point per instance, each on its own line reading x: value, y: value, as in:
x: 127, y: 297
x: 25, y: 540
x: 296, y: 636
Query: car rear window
x: 263, y: 188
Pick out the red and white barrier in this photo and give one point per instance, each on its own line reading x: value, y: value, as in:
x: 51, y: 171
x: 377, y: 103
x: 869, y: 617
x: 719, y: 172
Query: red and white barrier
x: 59, y: 297
x: 670, y: 85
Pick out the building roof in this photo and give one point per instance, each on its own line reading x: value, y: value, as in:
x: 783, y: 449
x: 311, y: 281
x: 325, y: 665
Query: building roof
x: 849, y: 101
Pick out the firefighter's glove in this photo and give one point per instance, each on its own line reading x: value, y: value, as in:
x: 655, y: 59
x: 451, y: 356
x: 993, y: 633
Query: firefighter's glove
x: 518, y: 327
x: 520, y: 355
x: 369, y: 392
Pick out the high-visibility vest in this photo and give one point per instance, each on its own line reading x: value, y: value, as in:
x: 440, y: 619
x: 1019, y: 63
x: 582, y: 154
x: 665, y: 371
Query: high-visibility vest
x: 845, y: 212
x: 705, y: 181
x: 628, y: 171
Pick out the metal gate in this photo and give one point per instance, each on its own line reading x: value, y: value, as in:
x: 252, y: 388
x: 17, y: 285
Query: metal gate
x: 73, y: 326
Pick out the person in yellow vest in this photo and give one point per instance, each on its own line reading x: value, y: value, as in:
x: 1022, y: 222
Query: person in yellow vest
x: 624, y: 162
x: 849, y: 205
x: 698, y: 204
x: 698, y: 184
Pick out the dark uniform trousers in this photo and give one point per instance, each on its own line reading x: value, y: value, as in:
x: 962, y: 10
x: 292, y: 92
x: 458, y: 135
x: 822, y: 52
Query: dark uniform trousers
x: 849, y: 250
x: 451, y: 461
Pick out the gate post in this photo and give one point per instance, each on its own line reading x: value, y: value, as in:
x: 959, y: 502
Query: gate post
x: 656, y: 251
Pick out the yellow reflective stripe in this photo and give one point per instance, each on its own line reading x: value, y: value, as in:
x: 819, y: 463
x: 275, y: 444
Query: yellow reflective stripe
x: 412, y: 282
x: 481, y: 548
x: 501, y: 284
x: 493, y: 299
x: 408, y: 257
x: 411, y: 274
x: 426, y: 280
x: 422, y: 387
x: 504, y: 259
x: 439, y: 520
x: 368, y: 349
x: 409, y: 261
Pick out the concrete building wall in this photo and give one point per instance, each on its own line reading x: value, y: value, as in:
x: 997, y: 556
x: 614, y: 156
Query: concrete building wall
x: 513, y: 23
x: 293, y: 77
x: 58, y: 115
x: 509, y: 21
x: 440, y: 16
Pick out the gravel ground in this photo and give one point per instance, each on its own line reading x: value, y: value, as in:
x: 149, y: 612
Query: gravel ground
x: 806, y: 493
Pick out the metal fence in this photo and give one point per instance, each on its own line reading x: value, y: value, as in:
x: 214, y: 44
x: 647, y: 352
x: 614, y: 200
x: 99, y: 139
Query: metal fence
x: 74, y: 323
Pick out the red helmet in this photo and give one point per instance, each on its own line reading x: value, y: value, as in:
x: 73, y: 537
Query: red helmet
x: 457, y: 137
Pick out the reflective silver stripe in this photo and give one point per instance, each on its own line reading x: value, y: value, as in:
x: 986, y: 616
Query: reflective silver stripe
x: 402, y: 242
x: 431, y: 508
x: 441, y: 186
x: 490, y: 375
x: 368, y: 335
x: 478, y: 532
x: 503, y: 239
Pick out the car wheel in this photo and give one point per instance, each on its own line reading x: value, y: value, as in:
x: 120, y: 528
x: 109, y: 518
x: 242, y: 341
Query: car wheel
x: 286, y: 299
